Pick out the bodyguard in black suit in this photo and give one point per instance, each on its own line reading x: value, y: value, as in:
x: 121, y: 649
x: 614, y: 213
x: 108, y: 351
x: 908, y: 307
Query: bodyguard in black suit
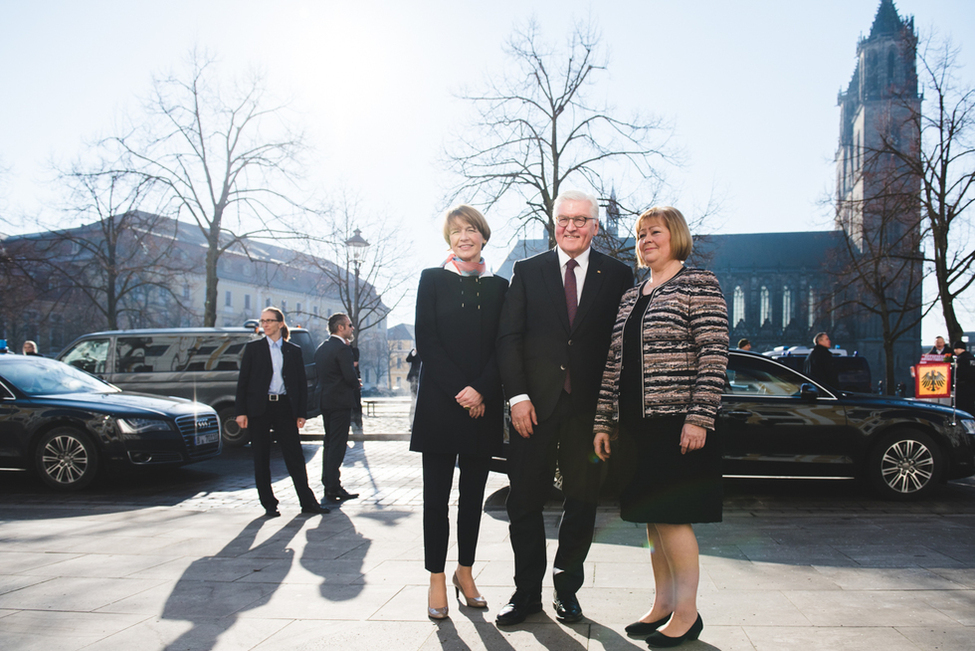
x: 271, y: 394
x: 552, y: 345
x: 338, y: 385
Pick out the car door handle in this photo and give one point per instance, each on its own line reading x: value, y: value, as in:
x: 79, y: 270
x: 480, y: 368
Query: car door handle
x: 737, y: 413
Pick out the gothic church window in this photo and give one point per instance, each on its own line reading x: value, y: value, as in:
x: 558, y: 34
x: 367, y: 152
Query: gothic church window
x: 812, y: 308
x: 786, y: 306
x: 766, y: 306
x: 738, y: 306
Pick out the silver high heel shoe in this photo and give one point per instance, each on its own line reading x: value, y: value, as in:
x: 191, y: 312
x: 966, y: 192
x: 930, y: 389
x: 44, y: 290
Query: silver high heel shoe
x: 472, y: 602
x: 436, y: 613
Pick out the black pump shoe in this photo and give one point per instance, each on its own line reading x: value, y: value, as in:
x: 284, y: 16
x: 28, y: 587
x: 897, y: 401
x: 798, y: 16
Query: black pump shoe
x: 642, y: 629
x: 658, y: 639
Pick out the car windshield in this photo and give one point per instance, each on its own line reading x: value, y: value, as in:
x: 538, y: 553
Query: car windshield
x: 40, y: 377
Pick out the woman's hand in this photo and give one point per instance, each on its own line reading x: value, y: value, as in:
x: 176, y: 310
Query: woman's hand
x: 601, y: 444
x: 692, y: 437
x: 469, y: 398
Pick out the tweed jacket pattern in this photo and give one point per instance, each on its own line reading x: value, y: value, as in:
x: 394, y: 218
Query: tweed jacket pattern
x: 684, y: 342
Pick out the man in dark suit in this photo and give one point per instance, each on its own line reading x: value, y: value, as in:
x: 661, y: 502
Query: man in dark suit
x: 964, y: 378
x: 271, y: 394
x: 337, y: 386
x: 819, y: 364
x: 552, y: 344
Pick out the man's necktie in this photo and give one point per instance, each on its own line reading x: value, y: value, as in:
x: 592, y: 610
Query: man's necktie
x: 571, y: 305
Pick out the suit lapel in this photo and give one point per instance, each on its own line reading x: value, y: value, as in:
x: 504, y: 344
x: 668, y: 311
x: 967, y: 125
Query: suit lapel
x: 264, y: 350
x: 552, y: 277
x: 591, y: 288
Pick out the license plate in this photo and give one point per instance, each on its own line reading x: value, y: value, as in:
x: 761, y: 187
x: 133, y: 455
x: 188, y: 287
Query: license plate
x: 203, y: 439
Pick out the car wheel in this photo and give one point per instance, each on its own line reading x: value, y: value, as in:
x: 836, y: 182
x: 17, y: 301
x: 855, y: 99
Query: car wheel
x: 234, y: 435
x: 906, y: 465
x: 66, y: 459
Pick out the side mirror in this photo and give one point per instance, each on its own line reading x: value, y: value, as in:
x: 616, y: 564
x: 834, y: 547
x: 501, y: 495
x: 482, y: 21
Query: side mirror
x: 809, y: 392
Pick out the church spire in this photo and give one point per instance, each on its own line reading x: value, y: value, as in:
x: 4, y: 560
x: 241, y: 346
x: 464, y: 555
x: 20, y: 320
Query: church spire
x: 887, y: 21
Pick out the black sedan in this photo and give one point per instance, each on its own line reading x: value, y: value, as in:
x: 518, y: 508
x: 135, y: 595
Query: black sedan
x: 66, y: 425
x: 776, y: 422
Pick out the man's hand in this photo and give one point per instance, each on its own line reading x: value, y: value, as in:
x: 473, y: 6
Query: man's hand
x: 523, y: 417
x: 601, y: 445
x: 476, y: 412
x: 301, y: 423
x: 692, y: 437
x: 469, y: 398
x: 242, y: 421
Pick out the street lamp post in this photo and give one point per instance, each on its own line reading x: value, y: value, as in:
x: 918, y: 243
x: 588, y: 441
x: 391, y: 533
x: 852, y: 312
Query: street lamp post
x: 357, y: 246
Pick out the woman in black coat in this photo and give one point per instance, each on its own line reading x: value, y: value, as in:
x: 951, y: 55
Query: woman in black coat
x: 459, y: 406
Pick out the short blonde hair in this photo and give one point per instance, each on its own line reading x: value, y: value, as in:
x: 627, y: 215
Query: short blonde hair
x: 468, y: 214
x: 681, y: 242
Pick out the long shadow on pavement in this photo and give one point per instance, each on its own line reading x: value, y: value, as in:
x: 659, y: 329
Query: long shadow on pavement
x: 214, y: 606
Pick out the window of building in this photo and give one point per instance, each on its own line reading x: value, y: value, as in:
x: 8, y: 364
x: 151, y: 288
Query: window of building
x: 314, y: 310
x: 229, y: 299
x: 766, y: 305
x: 812, y: 308
x: 738, y: 306
x: 298, y: 307
x: 786, y: 306
x: 186, y: 290
x: 267, y: 303
x: 247, y: 301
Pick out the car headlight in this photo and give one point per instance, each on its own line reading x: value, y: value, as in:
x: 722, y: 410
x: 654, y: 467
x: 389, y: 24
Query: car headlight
x: 143, y: 425
x: 968, y: 425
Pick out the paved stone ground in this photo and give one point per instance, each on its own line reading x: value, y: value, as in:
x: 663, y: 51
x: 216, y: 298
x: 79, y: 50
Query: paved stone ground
x: 179, y: 560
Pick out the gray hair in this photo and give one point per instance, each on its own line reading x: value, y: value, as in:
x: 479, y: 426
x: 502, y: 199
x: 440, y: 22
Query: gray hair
x: 576, y: 195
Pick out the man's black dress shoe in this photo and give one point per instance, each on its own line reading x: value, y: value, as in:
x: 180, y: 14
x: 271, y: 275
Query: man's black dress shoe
x: 314, y: 509
x: 271, y: 513
x: 658, y: 639
x: 567, y: 608
x: 518, y: 608
x: 341, y: 495
x: 643, y: 629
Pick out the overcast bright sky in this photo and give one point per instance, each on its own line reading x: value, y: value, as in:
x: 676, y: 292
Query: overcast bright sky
x: 750, y: 88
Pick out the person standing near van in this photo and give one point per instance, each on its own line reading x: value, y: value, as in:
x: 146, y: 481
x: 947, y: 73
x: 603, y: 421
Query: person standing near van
x: 338, y: 386
x: 271, y: 394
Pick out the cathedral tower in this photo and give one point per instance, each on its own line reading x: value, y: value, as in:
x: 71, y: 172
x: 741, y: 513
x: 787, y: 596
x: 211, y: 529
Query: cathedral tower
x: 877, y: 111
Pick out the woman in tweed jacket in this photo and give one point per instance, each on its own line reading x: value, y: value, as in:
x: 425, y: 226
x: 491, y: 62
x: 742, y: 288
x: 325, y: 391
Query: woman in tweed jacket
x: 661, y: 390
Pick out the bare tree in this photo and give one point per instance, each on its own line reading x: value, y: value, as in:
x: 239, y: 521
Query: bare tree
x: 224, y: 158
x: 536, y: 131
x: 370, y: 281
x: 113, y: 265
x: 879, y: 270
x: 945, y: 166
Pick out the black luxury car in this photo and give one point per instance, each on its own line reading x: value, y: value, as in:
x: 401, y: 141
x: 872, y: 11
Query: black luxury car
x: 66, y: 424
x: 195, y: 363
x: 776, y: 422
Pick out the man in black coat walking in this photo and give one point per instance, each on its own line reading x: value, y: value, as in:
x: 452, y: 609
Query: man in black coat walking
x: 553, y: 339
x: 819, y: 365
x: 337, y: 387
x: 272, y: 395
